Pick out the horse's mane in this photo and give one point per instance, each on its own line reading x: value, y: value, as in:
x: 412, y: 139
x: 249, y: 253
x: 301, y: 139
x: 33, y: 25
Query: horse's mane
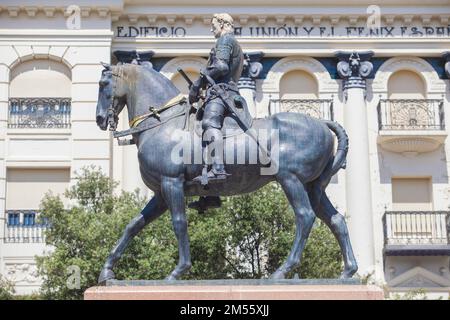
x: 160, y: 88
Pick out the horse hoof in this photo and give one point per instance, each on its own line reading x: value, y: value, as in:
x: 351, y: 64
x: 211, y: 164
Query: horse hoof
x: 348, y: 272
x: 277, y: 275
x: 105, y: 275
x: 171, y: 277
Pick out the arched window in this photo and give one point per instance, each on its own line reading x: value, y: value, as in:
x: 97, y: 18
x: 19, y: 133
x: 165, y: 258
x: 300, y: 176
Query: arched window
x: 40, y: 78
x: 40, y: 95
x: 298, y: 84
x: 405, y: 84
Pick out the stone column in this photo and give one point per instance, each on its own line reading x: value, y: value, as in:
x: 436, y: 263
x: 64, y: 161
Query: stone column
x: 247, y: 83
x: 353, y: 68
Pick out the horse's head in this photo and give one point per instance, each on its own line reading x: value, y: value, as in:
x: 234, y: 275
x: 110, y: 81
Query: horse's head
x: 111, y: 96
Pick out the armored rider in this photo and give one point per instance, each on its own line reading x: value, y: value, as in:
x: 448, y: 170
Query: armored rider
x: 224, y: 67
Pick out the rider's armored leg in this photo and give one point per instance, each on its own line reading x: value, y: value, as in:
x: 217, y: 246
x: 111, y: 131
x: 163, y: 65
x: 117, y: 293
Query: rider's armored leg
x: 213, y: 140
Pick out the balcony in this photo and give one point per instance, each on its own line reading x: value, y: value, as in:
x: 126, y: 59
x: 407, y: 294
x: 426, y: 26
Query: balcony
x: 411, y: 126
x: 21, y: 227
x: 39, y: 113
x: 317, y: 108
x: 416, y: 233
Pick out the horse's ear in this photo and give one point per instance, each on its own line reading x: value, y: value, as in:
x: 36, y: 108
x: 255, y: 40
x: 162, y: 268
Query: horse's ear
x: 105, y: 65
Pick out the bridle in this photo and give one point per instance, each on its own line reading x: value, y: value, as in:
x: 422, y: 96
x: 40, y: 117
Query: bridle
x: 113, y: 114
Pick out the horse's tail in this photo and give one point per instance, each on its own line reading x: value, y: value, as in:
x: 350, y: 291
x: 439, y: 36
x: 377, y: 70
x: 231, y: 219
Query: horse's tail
x: 342, y: 148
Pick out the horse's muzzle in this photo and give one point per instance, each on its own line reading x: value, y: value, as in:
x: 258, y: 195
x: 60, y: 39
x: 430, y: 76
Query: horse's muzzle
x: 101, y: 122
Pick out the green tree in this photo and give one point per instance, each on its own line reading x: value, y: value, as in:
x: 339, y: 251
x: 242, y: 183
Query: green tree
x: 248, y: 237
x: 261, y: 228
x: 6, y: 289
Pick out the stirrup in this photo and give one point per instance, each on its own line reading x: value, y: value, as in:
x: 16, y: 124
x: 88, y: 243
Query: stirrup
x: 211, y: 176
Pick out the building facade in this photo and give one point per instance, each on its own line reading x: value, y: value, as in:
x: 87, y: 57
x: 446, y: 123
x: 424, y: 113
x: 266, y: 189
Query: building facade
x: 380, y: 68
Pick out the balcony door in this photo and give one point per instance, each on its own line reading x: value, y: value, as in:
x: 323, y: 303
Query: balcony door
x: 25, y: 189
x: 414, y: 220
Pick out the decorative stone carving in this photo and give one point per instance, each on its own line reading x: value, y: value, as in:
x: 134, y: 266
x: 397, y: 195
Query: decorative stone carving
x: 171, y: 18
x: 334, y: 19
x: 22, y: 273
x: 189, y: 19
x: 243, y: 19
x: 354, y: 68
x: 13, y: 11
x: 298, y: 19
x: 134, y: 56
x: 252, y: 69
x: 31, y: 11
x: 151, y: 18
x: 102, y: 12
x: 133, y: 18
x: 419, y: 277
x: 280, y: 19
x: 49, y: 11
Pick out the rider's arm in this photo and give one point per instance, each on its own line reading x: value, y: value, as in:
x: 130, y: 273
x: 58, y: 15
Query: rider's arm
x: 220, y: 67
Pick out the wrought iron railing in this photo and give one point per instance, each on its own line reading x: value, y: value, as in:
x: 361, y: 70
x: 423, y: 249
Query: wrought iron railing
x: 23, y: 226
x: 416, y: 227
x: 39, y: 113
x: 318, y: 108
x: 411, y: 114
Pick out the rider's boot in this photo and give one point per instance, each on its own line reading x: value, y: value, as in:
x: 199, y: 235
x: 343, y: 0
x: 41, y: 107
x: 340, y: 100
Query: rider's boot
x: 215, y: 148
x: 205, y: 203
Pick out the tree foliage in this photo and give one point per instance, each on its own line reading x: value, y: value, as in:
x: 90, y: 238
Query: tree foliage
x: 248, y: 237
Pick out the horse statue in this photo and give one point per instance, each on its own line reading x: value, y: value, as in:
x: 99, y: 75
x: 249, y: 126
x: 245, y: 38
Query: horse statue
x: 306, y: 162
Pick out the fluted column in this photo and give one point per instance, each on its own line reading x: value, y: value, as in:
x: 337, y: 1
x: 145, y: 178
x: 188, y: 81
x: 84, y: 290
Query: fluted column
x: 247, y: 82
x: 353, y: 68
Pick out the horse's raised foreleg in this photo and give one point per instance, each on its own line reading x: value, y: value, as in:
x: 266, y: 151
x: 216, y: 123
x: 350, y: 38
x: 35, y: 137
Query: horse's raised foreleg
x: 154, y: 208
x: 173, y: 193
x: 336, y: 222
x: 304, y: 220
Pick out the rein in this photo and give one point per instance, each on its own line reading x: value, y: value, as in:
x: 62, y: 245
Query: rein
x: 136, y: 121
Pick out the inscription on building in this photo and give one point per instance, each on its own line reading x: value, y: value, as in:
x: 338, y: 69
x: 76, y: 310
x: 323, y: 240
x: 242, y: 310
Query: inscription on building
x: 289, y: 31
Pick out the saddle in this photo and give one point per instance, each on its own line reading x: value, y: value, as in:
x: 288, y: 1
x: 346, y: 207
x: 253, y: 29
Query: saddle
x: 231, y: 125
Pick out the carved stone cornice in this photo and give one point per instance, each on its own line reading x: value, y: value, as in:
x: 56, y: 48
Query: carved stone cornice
x: 252, y: 69
x: 354, y: 67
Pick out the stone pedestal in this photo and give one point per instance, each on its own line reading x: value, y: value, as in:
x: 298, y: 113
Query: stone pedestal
x: 322, y: 289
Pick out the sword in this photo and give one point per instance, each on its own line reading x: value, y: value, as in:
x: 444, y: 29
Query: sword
x: 247, y: 130
x: 185, y: 76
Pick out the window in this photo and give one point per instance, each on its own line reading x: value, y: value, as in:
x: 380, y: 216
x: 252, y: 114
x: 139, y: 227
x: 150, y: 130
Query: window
x: 29, y: 219
x: 411, y: 194
x: 13, y: 219
x: 25, y: 188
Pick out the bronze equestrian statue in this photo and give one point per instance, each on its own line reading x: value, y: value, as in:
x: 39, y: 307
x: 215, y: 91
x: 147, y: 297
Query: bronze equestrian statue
x: 305, y: 163
x: 224, y: 66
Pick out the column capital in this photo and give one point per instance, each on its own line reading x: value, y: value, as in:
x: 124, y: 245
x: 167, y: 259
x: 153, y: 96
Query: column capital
x: 251, y: 70
x: 133, y: 56
x: 354, y: 67
x: 446, y: 56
